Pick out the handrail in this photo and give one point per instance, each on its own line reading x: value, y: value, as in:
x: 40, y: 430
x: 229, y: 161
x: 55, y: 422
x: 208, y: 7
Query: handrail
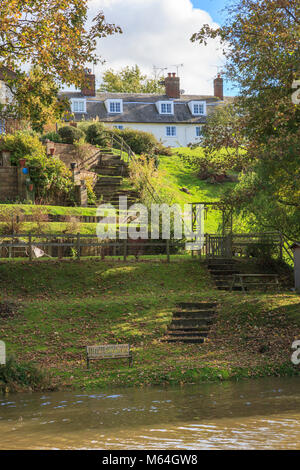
x: 94, y: 158
x: 121, y: 142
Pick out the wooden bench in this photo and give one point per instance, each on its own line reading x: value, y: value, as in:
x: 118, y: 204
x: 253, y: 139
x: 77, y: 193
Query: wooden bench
x: 108, y: 351
x: 240, y: 280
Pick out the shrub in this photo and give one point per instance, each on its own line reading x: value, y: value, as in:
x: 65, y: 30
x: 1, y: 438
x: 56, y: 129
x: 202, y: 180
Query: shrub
x: 70, y: 134
x: 40, y: 217
x: 53, y: 136
x: 22, y: 144
x: 160, y: 149
x: 19, y: 376
x: 96, y: 134
x: 12, y: 220
x: 92, y: 198
x: 139, y: 141
x: 51, y: 179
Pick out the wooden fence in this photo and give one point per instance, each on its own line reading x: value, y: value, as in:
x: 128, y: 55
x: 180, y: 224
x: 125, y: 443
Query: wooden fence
x: 217, y: 246
x: 77, y: 246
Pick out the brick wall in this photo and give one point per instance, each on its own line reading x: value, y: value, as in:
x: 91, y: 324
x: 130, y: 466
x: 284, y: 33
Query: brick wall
x: 8, y: 183
x: 68, y: 153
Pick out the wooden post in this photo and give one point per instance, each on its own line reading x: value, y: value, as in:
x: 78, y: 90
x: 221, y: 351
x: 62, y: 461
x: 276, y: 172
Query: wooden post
x: 78, y: 246
x: 125, y: 249
x: 281, y: 247
x: 30, y: 246
x: 168, y: 251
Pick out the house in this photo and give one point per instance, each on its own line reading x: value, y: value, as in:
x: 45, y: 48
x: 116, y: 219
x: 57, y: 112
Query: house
x: 174, y: 118
x: 6, y: 97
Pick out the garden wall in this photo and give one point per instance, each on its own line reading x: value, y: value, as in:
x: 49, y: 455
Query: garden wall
x: 8, y: 183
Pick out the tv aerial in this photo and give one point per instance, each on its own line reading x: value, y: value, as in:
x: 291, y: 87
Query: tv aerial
x: 159, y: 71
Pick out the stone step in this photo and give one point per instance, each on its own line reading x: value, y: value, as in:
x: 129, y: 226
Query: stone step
x: 112, y: 171
x: 185, y: 339
x: 109, y: 179
x: 110, y: 157
x: 204, y: 314
x: 196, y: 305
x: 193, y: 334
x: 222, y: 266
x: 187, y: 322
x: 222, y: 282
x: 223, y: 272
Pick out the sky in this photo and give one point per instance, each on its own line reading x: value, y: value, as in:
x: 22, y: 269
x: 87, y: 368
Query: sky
x: 157, y: 33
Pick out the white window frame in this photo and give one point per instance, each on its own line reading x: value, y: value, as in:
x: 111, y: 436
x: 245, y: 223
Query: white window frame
x: 2, y: 126
x: 173, y: 131
x: 111, y: 106
x: 200, y: 131
x: 169, y: 107
x: 193, y: 104
x: 80, y: 104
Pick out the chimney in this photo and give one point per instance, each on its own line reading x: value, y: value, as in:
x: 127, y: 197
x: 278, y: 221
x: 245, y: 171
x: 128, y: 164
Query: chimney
x: 172, y: 84
x: 218, y: 87
x: 88, y: 87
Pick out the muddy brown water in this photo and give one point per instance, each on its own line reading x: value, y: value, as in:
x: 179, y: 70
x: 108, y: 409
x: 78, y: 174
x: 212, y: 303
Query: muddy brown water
x: 258, y: 414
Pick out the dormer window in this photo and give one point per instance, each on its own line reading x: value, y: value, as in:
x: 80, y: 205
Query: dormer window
x: 165, y: 107
x: 114, y: 106
x: 198, y: 108
x: 78, y: 106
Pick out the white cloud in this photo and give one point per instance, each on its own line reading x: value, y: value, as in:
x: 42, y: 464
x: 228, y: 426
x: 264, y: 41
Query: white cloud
x: 157, y: 32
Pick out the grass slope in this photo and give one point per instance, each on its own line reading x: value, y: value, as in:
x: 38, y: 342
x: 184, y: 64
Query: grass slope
x: 62, y: 307
x: 176, y: 175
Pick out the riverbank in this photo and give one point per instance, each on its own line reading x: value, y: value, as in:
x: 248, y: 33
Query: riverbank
x: 60, y: 307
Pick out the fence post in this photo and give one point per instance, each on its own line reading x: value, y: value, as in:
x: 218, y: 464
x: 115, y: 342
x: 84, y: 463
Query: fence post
x: 30, y: 246
x: 168, y: 251
x: 281, y: 246
x: 125, y: 249
x: 78, y: 246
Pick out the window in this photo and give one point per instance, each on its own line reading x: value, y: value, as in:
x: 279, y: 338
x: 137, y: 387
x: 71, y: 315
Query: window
x: 78, y: 106
x: 2, y: 126
x: 114, y: 107
x: 119, y: 127
x: 165, y: 107
x: 171, y: 131
x: 199, y: 131
x: 199, y: 108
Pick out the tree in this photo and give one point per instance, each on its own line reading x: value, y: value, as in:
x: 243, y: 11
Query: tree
x: 36, y: 100
x: 222, y: 135
x: 129, y: 80
x: 261, y: 44
x: 53, y: 37
x: 52, y: 34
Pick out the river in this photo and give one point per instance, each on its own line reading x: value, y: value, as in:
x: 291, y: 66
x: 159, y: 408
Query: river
x: 257, y: 414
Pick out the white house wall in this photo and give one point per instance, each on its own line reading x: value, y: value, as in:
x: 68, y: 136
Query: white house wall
x: 186, y: 133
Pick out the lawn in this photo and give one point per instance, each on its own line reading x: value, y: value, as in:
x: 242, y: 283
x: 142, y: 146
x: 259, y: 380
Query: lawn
x: 176, y: 174
x: 60, y: 307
